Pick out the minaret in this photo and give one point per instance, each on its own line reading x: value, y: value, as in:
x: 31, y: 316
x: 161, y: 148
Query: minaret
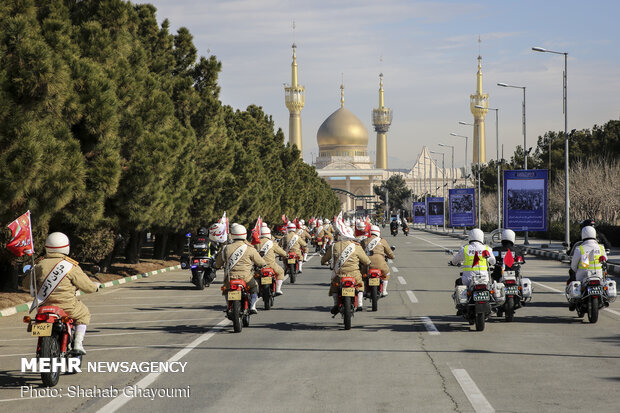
x: 479, y: 99
x: 295, y: 98
x: 381, y: 119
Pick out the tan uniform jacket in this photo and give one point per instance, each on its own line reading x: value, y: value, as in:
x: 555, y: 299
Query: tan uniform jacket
x: 350, y: 268
x: 305, y: 235
x: 64, y: 294
x: 243, y: 269
x: 270, y: 257
x: 377, y: 257
x: 297, y: 246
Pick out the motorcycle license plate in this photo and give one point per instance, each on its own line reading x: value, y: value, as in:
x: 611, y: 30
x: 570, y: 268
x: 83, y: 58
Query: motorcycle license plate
x: 265, y: 280
x: 42, y: 330
x: 595, y: 290
x: 512, y: 290
x: 234, y: 295
x: 291, y: 261
x: 348, y: 292
x: 374, y: 281
x: 482, y: 296
x: 319, y: 243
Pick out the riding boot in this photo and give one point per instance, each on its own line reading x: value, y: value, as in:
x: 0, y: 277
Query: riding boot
x: 301, y: 264
x: 384, y: 293
x: 305, y: 256
x: 334, y: 309
x: 360, y: 300
x: 279, y: 287
x: 78, y: 339
x: 253, y: 299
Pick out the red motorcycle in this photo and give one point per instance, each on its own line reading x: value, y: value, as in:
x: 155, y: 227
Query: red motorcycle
x: 54, y: 329
x: 292, y: 265
x: 267, y: 281
x: 319, y: 244
x: 347, y: 299
x: 373, y: 286
x: 238, y: 300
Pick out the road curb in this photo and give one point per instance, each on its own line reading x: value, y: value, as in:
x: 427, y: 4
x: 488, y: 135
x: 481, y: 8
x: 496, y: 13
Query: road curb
x: 20, y: 308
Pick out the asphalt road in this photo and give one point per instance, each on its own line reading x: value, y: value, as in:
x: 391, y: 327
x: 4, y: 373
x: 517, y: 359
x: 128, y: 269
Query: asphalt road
x: 414, y: 354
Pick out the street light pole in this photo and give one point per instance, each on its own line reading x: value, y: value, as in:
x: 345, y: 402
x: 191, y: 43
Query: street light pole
x: 499, y: 203
x: 525, y: 151
x: 466, y: 141
x: 443, y: 182
x: 452, y: 171
x: 566, y: 162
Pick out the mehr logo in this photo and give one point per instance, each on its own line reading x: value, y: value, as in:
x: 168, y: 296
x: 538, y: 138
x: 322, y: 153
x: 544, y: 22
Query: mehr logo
x: 51, y: 365
x: 72, y: 365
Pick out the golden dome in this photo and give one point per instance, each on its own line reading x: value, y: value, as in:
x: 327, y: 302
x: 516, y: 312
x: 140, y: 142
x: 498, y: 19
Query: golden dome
x: 342, y: 128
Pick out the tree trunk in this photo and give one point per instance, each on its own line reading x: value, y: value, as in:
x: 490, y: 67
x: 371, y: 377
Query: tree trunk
x: 132, y: 251
x: 160, y: 249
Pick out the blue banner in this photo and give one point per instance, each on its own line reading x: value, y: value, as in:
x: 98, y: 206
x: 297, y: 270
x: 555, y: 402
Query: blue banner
x: 434, y: 211
x: 525, y: 200
x: 462, y: 207
x: 419, y: 212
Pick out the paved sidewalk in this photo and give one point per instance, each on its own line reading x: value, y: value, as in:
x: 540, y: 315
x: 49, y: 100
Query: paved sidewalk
x: 537, y: 246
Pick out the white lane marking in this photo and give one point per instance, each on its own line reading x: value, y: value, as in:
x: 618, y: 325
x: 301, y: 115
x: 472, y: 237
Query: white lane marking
x: 153, y: 321
x: 197, y: 302
x: 112, y: 290
x: 120, y: 401
x: 401, y: 280
x: 394, y: 269
x: 92, y: 335
x: 473, y: 393
x: 609, y: 310
x: 431, y: 242
x: 390, y: 261
x: 428, y: 324
x: 412, y: 296
x: 407, y: 242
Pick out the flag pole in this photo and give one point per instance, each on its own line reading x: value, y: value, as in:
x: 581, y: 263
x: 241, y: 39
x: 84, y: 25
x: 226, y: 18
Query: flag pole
x: 33, y: 279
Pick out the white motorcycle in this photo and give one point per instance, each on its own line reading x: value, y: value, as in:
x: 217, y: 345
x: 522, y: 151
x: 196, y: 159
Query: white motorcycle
x: 591, y: 294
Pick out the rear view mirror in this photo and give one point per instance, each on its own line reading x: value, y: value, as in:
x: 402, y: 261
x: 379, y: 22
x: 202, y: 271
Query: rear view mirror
x: 26, y: 268
x: 392, y: 247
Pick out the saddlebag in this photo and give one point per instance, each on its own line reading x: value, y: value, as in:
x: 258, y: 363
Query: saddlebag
x: 573, y: 290
x: 460, y: 295
x: 499, y: 293
x: 526, y: 287
x: 610, y: 285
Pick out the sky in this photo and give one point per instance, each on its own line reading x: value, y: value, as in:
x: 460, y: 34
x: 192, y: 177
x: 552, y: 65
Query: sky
x: 427, y: 52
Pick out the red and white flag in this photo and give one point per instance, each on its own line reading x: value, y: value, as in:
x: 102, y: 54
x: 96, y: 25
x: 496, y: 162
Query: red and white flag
x: 509, y: 259
x: 284, y: 218
x: 21, y: 236
x: 256, y: 231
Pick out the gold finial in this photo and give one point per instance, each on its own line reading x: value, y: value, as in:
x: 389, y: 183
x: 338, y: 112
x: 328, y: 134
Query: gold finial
x: 342, y: 95
x: 381, y: 90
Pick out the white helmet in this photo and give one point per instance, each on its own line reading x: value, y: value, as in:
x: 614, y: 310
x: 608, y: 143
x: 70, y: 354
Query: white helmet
x: 508, y: 235
x: 320, y: 222
x: 375, y: 230
x: 238, y: 231
x: 588, y: 232
x: 302, y: 222
x: 264, y: 225
x: 360, y: 225
x: 265, y: 232
x: 57, y: 242
x: 290, y: 227
x: 476, y: 234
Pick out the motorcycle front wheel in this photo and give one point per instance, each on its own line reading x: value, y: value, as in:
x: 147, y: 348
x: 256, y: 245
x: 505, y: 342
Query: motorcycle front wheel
x: 50, y: 349
x: 374, y: 297
x: 593, y: 310
x: 199, y: 280
x: 236, y: 316
x: 509, y: 307
x: 480, y: 321
x: 291, y: 272
x: 348, y: 311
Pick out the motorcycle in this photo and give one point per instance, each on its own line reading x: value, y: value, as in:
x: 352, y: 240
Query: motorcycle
x: 347, y: 300
x: 292, y: 266
x: 266, y: 278
x: 513, y: 291
x: 373, y: 287
x: 319, y: 244
x: 394, y: 230
x: 475, y: 302
x: 406, y: 230
x: 55, y: 332
x: 203, y: 271
x: 590, y: 295
x: 238, y: 300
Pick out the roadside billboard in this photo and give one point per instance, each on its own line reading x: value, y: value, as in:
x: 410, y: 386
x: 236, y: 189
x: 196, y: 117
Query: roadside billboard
x: 462, y: 204
x: 419, y: 212
x: 434, y: 211
x: 525, y: 200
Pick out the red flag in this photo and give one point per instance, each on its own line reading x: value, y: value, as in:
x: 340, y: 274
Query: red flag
x: 476, y: 259
x: 256, y: 231
x: 21, y: 236
x: 297, y: 224
x: 509, y: 259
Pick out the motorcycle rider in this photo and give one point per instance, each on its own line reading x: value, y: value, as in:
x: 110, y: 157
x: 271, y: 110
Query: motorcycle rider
x: 238, y: 258
x: 508, y: 243
x: 348, y: 266
x: 302, y: 231
x: 268, y: 250
x: 476, y: 257
x: 292, y: 242
x: 588, y: 256
x: 378, y: 250
x: 575, y: 245
x: 394, y: 226
x: 63, y: 295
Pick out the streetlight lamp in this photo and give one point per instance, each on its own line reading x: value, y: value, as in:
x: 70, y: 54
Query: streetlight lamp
x: 566, y: 164
x: 443, y: 183
x: 452, y: 171
x: 499, y: 210
x: 525, y: 151
x: 466, y: 141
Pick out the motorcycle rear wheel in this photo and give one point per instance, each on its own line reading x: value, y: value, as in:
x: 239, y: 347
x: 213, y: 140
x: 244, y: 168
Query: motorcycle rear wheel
x: 374, y: 299
x: 266, y: 293
x: 291, y: 272
x: 348, y: 311
x: 480, y: 318
x: 200, y: 280
x: 236, y: 316
x: 509, y: 309
x: 50, y: 348
x: 593, y: 310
